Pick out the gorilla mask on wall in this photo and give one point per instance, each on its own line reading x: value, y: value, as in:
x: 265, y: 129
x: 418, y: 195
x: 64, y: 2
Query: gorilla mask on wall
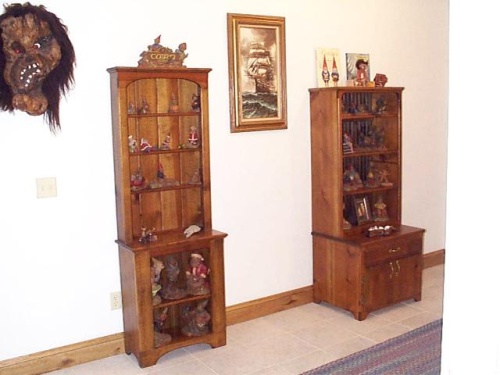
x: 36, y: 61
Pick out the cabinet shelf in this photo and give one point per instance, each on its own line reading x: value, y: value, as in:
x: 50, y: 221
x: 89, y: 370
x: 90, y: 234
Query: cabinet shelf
x: 164, y: 114
x: 178, y: 150
x: 147, y: 190
x: 356, y: 163
x: 160, y: 193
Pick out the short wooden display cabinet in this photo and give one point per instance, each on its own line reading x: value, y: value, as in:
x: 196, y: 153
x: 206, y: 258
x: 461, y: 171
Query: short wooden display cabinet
x: 364, y: 258
x: 172, y: 280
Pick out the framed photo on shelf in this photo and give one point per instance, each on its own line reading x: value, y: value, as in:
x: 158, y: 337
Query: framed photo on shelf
x: 257, y: 72
x: 362, y: 208
x: 358, y: 68
x: 327, y: 67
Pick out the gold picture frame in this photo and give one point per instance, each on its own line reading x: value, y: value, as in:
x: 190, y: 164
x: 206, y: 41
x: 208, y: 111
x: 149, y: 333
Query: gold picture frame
x: 257, y: 72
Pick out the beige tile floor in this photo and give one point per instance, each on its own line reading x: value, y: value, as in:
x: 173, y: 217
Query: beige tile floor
x: 288, y: 342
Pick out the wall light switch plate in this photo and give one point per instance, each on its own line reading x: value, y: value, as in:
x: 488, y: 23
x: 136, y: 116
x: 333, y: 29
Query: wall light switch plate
x: 46, y: 187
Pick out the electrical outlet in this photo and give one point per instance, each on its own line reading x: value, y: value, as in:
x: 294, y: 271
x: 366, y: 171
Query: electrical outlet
x: 116, y: 300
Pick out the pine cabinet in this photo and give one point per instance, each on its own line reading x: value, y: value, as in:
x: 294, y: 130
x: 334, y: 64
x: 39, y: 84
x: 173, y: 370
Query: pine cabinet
x: 364, y: 258
x: 172, y: 280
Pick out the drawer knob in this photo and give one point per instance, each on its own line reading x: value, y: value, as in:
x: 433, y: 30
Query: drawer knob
x: 394, y: 250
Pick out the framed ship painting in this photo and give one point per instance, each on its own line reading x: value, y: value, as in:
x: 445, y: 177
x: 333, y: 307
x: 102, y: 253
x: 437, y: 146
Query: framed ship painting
x: 257, y: 67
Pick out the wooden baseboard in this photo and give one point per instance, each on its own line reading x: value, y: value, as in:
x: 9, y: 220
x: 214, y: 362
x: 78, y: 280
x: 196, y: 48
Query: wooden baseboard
x: 434, y: 258
x: 66, y: 356
x: 87, y: 351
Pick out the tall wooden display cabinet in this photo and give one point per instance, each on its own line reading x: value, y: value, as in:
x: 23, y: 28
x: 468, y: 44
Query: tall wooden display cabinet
x: 364, y: 257
x: 162, y: 178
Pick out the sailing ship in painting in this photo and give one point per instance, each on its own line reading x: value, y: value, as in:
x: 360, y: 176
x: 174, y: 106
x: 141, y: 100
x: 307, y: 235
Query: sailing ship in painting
x: 261, y: 101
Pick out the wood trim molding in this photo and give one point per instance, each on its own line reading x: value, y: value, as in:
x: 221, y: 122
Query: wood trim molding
x: 103, y: 347
x: 65, y: 356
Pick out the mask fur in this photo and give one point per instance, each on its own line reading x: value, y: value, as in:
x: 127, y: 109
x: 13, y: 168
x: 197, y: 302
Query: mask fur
x: 36, y: 61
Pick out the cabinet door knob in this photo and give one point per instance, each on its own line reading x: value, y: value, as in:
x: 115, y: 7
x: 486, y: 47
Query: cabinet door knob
x: 395, y: 250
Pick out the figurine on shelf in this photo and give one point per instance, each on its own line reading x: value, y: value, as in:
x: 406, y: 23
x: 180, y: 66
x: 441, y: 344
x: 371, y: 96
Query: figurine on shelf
x: 168, y: 280
x: 145, y: 145
x: 160, y: 315
x: 380, y: 212
x: 144, y: 108
x: 384, y: 178
x: 174, y: 105
x: 132, y: 144
x: 197, y: 276
x: 372, y: 177
x: 137, y: 181
x: 361, y: 72
x: 193, y: 137
x: 196, y: 319
x: 346, y: 224
x: 147, y: 235
x: 156, y: 267
x: 195, y: 178
x: 381, y: 105
x: 335, y: 73
x: 195, y: 102
x: 192, y: 229
x: 131, y: 108
x: 352, y: 180
x: 380, y: 80
x: 347, y: 144
x: 166, y: 145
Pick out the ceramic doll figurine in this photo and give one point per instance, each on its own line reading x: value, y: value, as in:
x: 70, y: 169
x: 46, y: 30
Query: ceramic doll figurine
x: 167, y: 142
x: 197, y: 276
x: 132, y: 144
x: 361, y: 72
x: 380, y: 213
x: 196, y: 320
x: 195, y: 102
x: 145, y: 145
x: 156, y: 267
x: 168, y: 280
x: 193, y: 137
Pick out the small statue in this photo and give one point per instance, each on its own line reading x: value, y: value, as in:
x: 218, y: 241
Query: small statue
x: 193, y: 137
x: 144, y: 108
x: 352, y: 180
x: 156, y: 267
x: 380, y: 213
x: 131, y: 108
x: 132, y: 144
x: 372, y: 177
x: 196, y: 320
x: 380, y: 80
x: 347, y: 144
x: 197, y: 276
x: 361, y: 72
x: 174, y: 105
x: 166, y: 145
x: 195, y: 102
x: 195, y: 178
x: 384, y: 178
x: 145, y: 145
x: 192, y: 229
x: 160, y: 316
x: 381, y: 105
x: 147, y: 235
x: 168, y: 280
x: 137, y: 181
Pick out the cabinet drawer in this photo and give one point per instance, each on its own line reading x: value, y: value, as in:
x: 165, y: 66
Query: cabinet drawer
x: 392, y: 249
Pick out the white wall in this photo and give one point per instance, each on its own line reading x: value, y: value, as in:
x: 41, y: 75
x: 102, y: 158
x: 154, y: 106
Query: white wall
x: 470, y: 326
x: 59, y: 261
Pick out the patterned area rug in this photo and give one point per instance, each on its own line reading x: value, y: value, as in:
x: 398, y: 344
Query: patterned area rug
x: 417, y: 352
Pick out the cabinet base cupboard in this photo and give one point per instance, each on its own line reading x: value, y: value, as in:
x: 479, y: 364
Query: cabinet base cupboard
x: 365, y: 274
x: 364, y: 258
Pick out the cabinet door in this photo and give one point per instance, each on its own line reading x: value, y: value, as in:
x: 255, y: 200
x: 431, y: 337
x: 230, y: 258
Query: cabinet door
x: 391, y: 282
